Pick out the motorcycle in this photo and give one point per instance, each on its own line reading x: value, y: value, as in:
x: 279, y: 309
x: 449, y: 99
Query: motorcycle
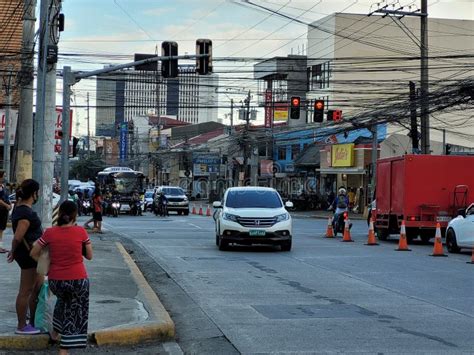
x: 115, y: 206
x: 339, y: 222
x: 136, y: 208
x: 86, y: 207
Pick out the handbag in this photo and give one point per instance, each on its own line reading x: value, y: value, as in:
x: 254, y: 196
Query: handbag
x: 45, y: 309
x: 44, y: 261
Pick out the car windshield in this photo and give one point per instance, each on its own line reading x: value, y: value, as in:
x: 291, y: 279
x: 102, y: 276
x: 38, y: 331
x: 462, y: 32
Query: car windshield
x: 173, y: 191
x: 149, y: 195
x: 253, y: 199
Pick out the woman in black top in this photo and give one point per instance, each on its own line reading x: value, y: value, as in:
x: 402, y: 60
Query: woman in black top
x: 27, y: 229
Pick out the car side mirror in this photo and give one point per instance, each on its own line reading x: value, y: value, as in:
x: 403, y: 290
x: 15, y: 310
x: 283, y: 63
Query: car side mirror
x: 217, y: 204
x: 462, y: 212
x: 289, y: 204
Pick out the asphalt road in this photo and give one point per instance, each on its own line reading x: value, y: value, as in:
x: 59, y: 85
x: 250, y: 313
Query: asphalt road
x: 324, y: 296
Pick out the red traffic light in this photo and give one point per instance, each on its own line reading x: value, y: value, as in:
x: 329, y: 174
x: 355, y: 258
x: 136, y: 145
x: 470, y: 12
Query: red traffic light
x: 319, y: 105
x: 295, y: 101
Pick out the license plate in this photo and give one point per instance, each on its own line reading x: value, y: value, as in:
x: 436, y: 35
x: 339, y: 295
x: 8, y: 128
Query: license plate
x: 257, y: 233
x: 443, y: 219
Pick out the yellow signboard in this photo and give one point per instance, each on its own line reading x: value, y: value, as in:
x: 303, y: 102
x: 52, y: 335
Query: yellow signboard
x: 280, y: 115
x: 342, y: 155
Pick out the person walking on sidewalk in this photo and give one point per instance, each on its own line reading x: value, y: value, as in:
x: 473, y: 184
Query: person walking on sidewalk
x: 96, y: 212
x: 5, y: 207
x: 67, y: 277
x: 27, y: 229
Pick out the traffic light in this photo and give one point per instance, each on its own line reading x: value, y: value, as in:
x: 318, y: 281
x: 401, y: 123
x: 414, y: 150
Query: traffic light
x: 204, y: 64
x: 448, y: 149
x: 318, y: 115
x: 74, y: 146
x: 334, y: 115
x: 295, y: 104
x: 169, y: 67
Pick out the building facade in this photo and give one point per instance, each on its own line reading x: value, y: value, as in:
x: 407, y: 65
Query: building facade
x: 127, y: 94
x: 357, y: 63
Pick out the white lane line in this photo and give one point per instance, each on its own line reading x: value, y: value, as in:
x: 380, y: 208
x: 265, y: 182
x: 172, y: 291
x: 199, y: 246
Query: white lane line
x: 191, y: 224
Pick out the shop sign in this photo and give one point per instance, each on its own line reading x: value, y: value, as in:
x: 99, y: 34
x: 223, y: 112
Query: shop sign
x: 205, y: 164
x: 342, y: 155
x: 280, y: 112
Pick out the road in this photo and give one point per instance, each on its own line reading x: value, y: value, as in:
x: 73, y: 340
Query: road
x: 324, y: 296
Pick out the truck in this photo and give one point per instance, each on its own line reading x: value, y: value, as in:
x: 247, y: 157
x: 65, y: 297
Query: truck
x: 421, y: 190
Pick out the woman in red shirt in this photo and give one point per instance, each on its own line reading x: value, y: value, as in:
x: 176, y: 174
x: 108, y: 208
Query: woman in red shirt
x: 67, y: 277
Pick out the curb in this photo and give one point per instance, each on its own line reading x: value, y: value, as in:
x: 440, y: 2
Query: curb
x: 161, y: 328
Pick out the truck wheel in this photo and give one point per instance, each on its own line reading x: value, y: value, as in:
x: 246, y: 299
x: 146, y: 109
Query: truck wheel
x: 426, y: 235
x: 451, y: 242
x: 412, y: 233
x: 382, y: 233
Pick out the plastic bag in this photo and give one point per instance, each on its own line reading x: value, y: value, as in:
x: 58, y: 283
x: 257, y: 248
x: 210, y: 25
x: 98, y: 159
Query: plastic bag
x: 45, y: 309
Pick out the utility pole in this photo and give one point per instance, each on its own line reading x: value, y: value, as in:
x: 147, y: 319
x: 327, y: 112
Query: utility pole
x: 68, y: 80
x: 413, y: 118
x: 424, y: 113
x: 7, y: 85
x: 424, y: 79
x: 231, y: 116
x: 375, y: 146
x: 24, y: 140
x: 246, y: 136
x: 88, y: 129
x: 43, y: 156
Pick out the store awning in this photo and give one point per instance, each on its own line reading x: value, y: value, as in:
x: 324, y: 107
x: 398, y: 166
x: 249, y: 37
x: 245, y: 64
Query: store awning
x: 348, y: 171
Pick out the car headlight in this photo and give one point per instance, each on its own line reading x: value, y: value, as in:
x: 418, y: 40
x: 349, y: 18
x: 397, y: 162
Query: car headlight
x: 230, y: 217
x: 282, y: 217
x: 185, y: 199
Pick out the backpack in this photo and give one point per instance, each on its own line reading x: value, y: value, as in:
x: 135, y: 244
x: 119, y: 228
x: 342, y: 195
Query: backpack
x: 341, y: 202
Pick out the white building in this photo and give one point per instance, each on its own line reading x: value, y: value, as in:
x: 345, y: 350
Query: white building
x: 356, y: 62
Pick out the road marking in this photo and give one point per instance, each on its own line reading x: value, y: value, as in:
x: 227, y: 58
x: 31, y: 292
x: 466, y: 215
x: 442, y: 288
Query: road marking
x: 191, y: 224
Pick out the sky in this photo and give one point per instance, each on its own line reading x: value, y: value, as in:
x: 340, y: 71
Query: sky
x: 112, y: 30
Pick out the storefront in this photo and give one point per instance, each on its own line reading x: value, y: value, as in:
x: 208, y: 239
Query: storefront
x: 348, y: 166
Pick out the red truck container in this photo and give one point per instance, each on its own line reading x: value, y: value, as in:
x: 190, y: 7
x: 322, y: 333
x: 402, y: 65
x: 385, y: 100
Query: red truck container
x: 422, y: 190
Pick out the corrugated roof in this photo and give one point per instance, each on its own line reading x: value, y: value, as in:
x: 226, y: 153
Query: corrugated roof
x: 11, y: 30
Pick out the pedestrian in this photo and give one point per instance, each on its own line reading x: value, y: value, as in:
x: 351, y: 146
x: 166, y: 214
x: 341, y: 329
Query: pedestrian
x: 67, y: 277
x: 27, y: 229
x: 97, y: 211
x: 5, y: 207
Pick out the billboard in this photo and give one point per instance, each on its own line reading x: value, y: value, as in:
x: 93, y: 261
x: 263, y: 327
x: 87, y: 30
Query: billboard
x: 280, y: 111
x: 342, y: 155
x: 123, y: 142
x: 206, y: 163
x: 12, y: 126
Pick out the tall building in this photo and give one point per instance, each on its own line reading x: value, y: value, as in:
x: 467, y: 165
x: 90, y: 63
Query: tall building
x: 123, y: 95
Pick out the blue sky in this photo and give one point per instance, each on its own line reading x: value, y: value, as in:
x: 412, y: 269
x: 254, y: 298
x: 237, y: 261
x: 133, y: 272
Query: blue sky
x: 124, y: 27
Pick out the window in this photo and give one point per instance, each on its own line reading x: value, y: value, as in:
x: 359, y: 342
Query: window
x: 281, y: 153
x: 295, y: 150
x: 319, y: 75
x: 253, y: 199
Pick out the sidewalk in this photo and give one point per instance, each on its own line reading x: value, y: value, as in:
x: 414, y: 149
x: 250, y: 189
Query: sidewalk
x: 124, y: 310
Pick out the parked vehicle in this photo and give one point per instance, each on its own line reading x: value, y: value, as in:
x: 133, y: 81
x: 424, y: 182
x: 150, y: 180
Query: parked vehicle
x: 148, y: 200
x: 422, y: 190
x: 177, y: 200
x: 253, y: 215
x: 460, y: 232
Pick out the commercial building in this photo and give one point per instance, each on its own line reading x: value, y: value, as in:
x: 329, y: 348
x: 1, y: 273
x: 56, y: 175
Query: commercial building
x: 124, y: 95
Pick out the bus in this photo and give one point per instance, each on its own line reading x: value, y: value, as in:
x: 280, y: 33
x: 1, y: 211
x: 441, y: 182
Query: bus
x: 123, y: 182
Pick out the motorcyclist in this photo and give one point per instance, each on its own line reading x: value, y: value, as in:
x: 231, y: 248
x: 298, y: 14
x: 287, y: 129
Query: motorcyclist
x: 135, y: 203
x: 340, y: 204
x: 162, y: 203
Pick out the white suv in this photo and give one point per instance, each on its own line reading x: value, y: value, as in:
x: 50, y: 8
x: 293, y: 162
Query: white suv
x: 252, y: 215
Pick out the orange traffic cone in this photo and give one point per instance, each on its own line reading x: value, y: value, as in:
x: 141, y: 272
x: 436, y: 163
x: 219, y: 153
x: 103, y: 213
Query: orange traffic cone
x: 194, y: 210
x: 329, y: 230
x: 208, y: 211
x: 347, y: 232
x: 200, y: 210
x: 472, y: 258
x: 438, y: 244
x: 402, y: 243
x: 371, y: 238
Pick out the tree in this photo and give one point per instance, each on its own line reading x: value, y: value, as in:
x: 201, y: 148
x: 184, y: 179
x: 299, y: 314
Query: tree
x: 87, y: 167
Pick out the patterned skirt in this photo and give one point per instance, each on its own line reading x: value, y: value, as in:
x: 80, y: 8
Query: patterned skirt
x: 71, y: 313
